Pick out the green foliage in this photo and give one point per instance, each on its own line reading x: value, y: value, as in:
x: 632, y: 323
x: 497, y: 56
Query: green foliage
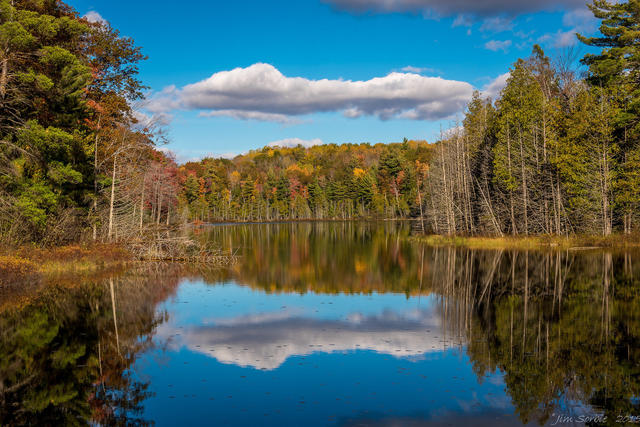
x: 619, y: 60
x: 36, y: 203
x: 58, y: 73
x: 518, y: 109
x: 45, y: 144
x: 61, y: 173
x: 616, y: 71
x: 191, y: 188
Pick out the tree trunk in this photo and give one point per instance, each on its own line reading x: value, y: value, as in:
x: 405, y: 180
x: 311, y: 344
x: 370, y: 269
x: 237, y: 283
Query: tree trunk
x: 4, y: 75
x: 95, y: 178
x: 433, y: 210
x: 514, y: 230
x: 113, y: 192
x: 547, y: 216
x: 420, y: 202
x: 142, y: 202
x: 395, y: 192
x: 159, y: 211
x: 606, y: 227
x: 446, y: 191
x: 524, y: 186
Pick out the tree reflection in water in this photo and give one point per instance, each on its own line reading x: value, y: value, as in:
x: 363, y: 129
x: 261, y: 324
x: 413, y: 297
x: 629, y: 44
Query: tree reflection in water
x: 562, y: 327
x: 65, y: 355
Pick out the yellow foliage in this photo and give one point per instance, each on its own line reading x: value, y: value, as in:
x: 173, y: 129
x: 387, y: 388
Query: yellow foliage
x: 235, y: 177
x: 358, y: 173
x: 16, y: 265
x: 295, y: 169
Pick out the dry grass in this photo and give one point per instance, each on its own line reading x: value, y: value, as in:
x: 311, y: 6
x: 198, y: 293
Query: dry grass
x: 32, y: 263
x: 95, y: 253
x: 533, y: 242
x: 13, y: 268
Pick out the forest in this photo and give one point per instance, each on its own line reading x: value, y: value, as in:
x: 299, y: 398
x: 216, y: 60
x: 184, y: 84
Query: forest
x: 321, y: 182
x: 558, y: 151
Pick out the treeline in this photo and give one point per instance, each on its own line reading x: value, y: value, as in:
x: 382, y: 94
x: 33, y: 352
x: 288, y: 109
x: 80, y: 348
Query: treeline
x: 76, y: 161
x: 320, y: 182
x: 554, y: 153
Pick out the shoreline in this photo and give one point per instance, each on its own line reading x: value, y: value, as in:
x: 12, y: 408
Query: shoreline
x: 39, y: 265
x: 537, y: 242
x: 298, y: 220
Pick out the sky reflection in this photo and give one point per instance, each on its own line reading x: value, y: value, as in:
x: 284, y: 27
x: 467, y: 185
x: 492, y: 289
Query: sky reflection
x: 265, y: 341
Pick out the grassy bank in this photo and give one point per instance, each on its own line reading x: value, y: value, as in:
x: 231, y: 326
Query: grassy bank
x: 32, y: 263
x: 533, y: 242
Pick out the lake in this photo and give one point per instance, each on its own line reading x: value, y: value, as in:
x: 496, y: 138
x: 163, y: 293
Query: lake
x: 332, y: 323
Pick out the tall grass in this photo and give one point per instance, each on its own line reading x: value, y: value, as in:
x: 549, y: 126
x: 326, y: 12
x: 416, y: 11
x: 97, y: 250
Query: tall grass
x: 533, y: 242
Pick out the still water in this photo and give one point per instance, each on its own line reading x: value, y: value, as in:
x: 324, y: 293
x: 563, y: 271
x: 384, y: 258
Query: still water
x: 322, y: 324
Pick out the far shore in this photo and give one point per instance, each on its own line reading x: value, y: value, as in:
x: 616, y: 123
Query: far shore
x: 538, y: 242
x: 297, y: 220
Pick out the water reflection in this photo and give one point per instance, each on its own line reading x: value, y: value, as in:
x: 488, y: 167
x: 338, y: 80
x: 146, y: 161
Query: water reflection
x: 561, y: 327
x: 267, y: 341
x: 343, y: 323
x: 65, y: 355
x: 326, y: 257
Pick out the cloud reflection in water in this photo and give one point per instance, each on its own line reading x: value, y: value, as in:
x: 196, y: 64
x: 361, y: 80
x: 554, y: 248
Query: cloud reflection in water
x: 265, y: 341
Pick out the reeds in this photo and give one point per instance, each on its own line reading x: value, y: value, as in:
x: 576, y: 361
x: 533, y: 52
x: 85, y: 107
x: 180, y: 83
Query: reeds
x: 533, y: 242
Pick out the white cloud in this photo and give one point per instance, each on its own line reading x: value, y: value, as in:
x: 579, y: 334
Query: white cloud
x: 462, y: 21
x: 482, y: 8
x: 497, y: 24
x: 416, y: 70
x: 228, y: 155
x: 151, y: 121
x: 493, y: 89
x: 94, y: 17
x: 163, y: 101
x: 496, y: 45
x: 564, y: 38
x: 579, y: 20
x: 262, y: 92
x: 294, y: 142
x: 252, y: 115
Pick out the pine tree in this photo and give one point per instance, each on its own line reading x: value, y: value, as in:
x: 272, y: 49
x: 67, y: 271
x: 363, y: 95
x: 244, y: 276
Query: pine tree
x: 618, y: 64
x: 616, y: 70
x: 515, y: 151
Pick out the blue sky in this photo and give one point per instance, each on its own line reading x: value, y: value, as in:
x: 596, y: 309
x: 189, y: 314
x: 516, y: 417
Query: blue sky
x: 230, y: 76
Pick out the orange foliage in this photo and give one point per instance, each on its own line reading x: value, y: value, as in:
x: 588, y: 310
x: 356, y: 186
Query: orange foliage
x: 13, y: 265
